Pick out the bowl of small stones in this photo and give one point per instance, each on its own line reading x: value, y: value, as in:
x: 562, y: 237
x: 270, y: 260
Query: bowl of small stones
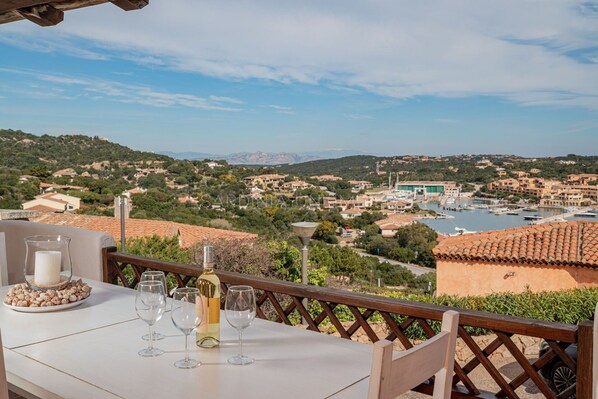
x: 24, y: 299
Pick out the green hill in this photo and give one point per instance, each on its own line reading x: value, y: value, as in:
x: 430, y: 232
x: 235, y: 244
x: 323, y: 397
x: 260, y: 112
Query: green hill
x: 22, y: 150
x: 356, y: 166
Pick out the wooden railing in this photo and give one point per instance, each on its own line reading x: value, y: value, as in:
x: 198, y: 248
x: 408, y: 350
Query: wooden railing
x: 281, y: 301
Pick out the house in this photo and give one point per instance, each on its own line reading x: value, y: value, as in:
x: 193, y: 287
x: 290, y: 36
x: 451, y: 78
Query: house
x: 544, y: 257
x: 399, y: 206
x: 213, y: 165
x: 53, y: 202
x: 264, y: 181
x: 351, y: 213
x: 296, y: 185
x: 188, y: 235
x: 520, y: 173
x: 390, y: 225
x: 136, y: 190
x: 47, y: 187
x: 326, y: 178
x: 69, y: 172
x: 583, y: 178
x: 358, y: 185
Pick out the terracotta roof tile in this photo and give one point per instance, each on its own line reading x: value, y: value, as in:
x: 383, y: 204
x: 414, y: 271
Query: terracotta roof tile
x: 135, y: 228
x: 564, y: 243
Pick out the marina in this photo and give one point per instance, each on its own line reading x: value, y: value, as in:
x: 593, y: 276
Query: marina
x: 479, y: 218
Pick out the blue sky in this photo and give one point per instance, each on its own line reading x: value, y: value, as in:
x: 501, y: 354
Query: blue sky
x: 384, y: 77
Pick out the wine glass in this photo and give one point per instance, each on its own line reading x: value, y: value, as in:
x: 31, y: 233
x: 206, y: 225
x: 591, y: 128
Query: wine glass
x: 240, y: 311
x: 186, y: 313
x: 150, y: 304
x: 154, y: 275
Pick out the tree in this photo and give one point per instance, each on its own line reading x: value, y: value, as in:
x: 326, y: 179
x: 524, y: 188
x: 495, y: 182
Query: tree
x: 163, y: 248
x: 326, y: 232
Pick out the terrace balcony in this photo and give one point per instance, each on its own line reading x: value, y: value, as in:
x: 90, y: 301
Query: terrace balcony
x: 383, y: 318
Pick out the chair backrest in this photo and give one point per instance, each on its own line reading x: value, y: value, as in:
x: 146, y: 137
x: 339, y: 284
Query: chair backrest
x: 595, y: 354
x: 3, y: 383
x: 3, y: 261
x: 436, y: 356
x: 86, y: 248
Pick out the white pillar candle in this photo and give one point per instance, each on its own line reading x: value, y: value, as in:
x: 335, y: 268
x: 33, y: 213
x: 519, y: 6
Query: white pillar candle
x: 47, y: 268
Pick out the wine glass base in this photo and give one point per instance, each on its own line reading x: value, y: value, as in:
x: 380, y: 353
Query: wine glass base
x: 157, y: 337
x: 186, y: 364
x: 150, y: 352
x: 241, y: 360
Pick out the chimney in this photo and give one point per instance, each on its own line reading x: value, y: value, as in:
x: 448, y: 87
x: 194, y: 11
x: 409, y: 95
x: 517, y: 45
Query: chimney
x: 127, y: 205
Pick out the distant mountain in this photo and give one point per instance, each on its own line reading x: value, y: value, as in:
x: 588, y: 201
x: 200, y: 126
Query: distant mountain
x: 263, y: 158
x: 22, y: 150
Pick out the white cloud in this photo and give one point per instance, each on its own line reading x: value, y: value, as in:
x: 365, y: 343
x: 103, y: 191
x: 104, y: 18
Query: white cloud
x: 280, y: 109
x: 122, y: 92
x: 514, y: 49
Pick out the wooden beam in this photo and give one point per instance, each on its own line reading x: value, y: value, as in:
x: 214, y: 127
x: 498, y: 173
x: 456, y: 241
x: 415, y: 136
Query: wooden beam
x: 43, y: 15
x: 130, y: 5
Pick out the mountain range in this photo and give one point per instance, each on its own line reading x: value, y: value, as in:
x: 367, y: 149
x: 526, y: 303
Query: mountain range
x: 263, y: 158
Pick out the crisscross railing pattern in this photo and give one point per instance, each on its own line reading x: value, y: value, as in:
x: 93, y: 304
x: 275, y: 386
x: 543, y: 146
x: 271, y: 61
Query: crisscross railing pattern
x: 282, y: 302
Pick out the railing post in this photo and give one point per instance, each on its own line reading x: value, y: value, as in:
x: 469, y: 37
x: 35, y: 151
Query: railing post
x: 107, y: 273
x: 585, y: 337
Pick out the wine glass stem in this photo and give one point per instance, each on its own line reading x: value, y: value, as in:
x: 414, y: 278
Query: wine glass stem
x: 240, y: 343
x: 186, y: 348
x: 151, y: 338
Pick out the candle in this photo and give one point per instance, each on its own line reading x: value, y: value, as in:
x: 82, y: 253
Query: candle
x: 47, y: 268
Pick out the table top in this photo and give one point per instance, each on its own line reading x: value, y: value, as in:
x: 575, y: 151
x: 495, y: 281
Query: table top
x: 108, y: 304
x: 102, y: 359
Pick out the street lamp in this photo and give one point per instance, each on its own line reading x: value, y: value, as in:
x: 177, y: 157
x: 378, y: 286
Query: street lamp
x: 304, y: 230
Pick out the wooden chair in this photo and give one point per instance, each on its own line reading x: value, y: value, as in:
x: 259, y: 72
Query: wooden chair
x: 3, y: 383
x: 436, y: 356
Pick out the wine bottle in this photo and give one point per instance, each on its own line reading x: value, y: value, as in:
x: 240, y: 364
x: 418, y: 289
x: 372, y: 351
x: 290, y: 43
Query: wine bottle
x: 208, y: 283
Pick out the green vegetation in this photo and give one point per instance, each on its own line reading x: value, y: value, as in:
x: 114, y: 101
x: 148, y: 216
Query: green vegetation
x: 412, y: 244
x: 26, y: 151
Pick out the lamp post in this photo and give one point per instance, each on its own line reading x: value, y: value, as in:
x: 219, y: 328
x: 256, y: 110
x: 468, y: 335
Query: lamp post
x: 305, y: 230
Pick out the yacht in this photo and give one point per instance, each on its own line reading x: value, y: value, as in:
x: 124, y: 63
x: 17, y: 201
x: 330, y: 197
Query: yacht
x: 460, y: 231
x: 586, y: 214
x: 532, y: 217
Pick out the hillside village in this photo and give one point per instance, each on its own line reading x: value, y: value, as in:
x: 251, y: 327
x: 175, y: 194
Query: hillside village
x: 367, y: 206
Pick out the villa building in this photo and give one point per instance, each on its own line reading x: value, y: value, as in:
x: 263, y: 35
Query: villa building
x: 550, y: 192
x: 264, y: 181
x: 296, y: 185
x: 545, y: 257
x: 326, y: 178
x: 65, y: 173
x: 53, y: 202
x: 358, y: 185
x: 390, y: 225
x: 583, y: 178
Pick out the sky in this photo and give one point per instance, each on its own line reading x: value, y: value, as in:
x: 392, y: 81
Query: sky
x: 371, y: 76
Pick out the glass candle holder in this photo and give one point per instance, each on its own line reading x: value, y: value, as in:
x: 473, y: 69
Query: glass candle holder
x: 48, y: 262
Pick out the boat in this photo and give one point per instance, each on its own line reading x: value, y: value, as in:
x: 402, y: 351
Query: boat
x: 532, y: 217
x: 450, y: 200
x: 468, y: 208
x: 586, y: 214
x: 531, y: 209
x: 460, y: 231
x: 515, y: 213
x: 499, y: 210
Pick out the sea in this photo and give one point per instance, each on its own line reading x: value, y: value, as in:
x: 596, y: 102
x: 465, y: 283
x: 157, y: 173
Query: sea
x: 478, y: 220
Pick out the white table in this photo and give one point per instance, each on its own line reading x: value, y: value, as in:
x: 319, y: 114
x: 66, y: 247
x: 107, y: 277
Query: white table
x: 91, y: 352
